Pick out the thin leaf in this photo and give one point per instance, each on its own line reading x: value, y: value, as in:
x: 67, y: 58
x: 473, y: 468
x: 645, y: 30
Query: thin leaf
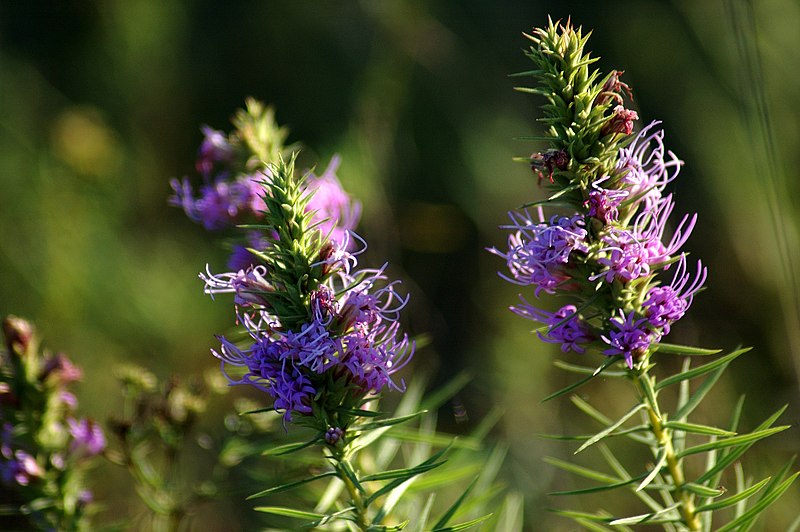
x: 580, y: 470
x: 733, y: 454
x: 288, y: 512
x: 586, y: 370
x: 608, y: 430
x: 701, y: 370
x: 733, y: 499
x: 688, y: 407
x: 733, y: 441
x: 697, y: 429
x: 651, y: 518
x: 454, y: 507
x: 604, y: 487
x: 435, y: 439
x: 703, y: 491
x: 345, y: 467
x: 389, y: 421
x: 290, y: 447
x: 581, y: 382
x: 674, y: 349
x: 405, y: 473
x: 395, y: 483
x: 659, y: 465
x: 760, y: 505
x: 285, y: 487
x: 463, y: 526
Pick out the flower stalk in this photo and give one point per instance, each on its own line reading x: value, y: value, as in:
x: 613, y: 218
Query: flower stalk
x: 606, y: 251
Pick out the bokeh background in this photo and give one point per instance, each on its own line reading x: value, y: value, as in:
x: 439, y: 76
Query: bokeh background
x: 101, y: 103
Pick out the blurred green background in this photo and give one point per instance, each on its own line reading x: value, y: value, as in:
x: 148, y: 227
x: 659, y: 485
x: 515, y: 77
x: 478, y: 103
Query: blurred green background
x: 101, y: 103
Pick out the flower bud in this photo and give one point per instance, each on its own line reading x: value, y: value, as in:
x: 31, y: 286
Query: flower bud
x: 18, y: 333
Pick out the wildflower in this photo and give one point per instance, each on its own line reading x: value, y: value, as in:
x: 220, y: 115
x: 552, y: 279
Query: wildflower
x: 603, y: 203
x: 631, y: 339
x: 620, y: 122
x: 612, y: 89
x: 332, y: 209
x: 646, y: 166
x: 564, y: 326
x: 667, y: 304
x: 214, y: 149
x: 539, y: 252
x: 87, y: 437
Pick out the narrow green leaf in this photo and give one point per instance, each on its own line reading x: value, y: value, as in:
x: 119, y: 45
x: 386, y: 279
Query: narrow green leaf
x: 674, y: 349
x: 688, y: 407
x: 587, y: 370
x: 703, y: 491
x: 405, y: 473
x: 604, y: 487
x: 291, y: 485
x: 454, y: 507
x: 463, y: 526
x: 608, y: 430
x: 580, y: 470
x: 541, y: 139
x: 358, y: 412
x: 732, y: 455
x: 733, y: 499
x: 389, y: 421
x: 345, y: 467
x: 732, y: 441
x: 762, y: 504
x: 651, y: 518
x: 290, y: 447
x: 436, y: 439
x: 581, y: 382
x: 396, y: 482
x: 660, y: 462
x: 701, y: 370
x: 388, y: 528
x: 584, y: 437
x: 698, y: 429
x: 589, y: 525
x: 288, y: 512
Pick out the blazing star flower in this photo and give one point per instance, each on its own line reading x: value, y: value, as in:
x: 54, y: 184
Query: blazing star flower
x: 667, y: 304
x: 603, y: 202
x: 651, y: 224
x: 621, y: 121
x: 646, y: 166
x: 539, y: 252
x: 632, y: 337
x: 625, y: 257
x: 565, y: 326
x: 220, y: 205
x: 214, y: 149
x: 333, y: 210
x: 87, y: 437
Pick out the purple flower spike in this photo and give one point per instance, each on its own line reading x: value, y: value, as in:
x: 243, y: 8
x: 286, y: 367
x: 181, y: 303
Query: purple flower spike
x: 632, y: 337
x: 88, y: 437
x: 334, y: 211
x: 214, y: 149
x: 667, y: 304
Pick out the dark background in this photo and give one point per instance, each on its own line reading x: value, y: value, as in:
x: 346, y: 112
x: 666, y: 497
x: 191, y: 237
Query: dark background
x: 101, y: 103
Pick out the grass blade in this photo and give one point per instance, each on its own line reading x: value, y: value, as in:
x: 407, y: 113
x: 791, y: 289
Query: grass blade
x: 291, y: 485
x: 611, y: 428
x: 581, y: 382
x: 762, y: 504
x: 732, y: 441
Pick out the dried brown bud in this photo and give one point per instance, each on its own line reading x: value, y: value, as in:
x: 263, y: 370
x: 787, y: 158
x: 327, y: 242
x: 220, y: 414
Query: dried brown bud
x: 18, y: 333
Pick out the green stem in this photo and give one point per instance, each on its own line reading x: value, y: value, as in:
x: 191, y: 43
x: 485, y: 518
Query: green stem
x: 356, y: 496
x: 663, y: 437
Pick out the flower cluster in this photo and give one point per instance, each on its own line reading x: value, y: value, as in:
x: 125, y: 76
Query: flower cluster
x: 44, y: 445
x: 234, y: 172
x: 606, y: 252
x: 322, y: 332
